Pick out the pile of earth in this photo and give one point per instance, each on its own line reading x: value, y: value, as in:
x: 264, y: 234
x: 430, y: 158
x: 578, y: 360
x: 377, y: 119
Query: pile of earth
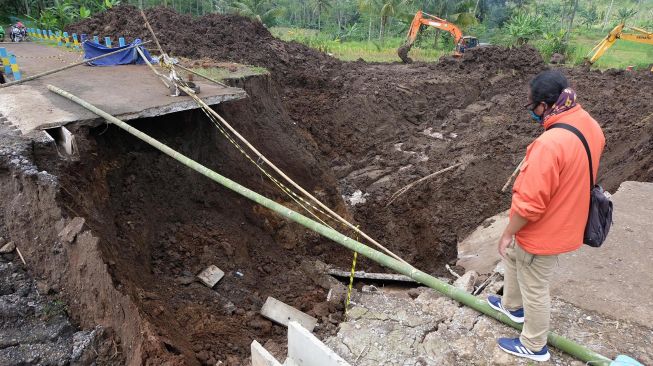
x: 382, y: 126
x: 218, y: 36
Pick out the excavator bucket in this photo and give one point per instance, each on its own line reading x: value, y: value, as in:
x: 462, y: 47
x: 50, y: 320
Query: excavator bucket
x: 403, y: 53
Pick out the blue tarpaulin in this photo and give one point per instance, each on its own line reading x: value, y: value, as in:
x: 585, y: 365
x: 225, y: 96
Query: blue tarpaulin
x: 128, y: 56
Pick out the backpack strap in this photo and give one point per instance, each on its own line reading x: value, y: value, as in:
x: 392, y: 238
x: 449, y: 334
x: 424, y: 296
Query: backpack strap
x: 582, y: 139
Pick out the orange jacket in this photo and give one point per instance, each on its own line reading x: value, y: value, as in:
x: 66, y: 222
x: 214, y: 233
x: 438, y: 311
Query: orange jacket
x: 552, y: 190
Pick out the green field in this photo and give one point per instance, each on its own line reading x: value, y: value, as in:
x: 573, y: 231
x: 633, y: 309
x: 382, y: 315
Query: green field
x: 353, y: 50
x: 621, y: 55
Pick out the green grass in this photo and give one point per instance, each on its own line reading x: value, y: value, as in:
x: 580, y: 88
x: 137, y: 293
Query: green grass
x: 373, y: 51
x: 621, y: 55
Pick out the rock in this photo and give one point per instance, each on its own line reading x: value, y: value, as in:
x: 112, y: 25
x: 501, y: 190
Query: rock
x: 337, y: 293
x: 494, y: 287
x: 501, y: 358
x: 414, y: 293
x: 261, y: 324
x: 43, y: 287
x: 466, y: 282
x: 356, y: 312
x: 500, y: 268
x: 321, y: 309
x: 369, y: 288
x: 557, y: 58
x: 8, y: 248
x: 229, y: 308
x: 68, y: 234
x: 203, y: 356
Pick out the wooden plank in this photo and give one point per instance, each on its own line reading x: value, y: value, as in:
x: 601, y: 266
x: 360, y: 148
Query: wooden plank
x: 370, y: 276
x: 282, y: 313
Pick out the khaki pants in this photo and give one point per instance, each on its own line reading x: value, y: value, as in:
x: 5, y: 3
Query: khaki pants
x: 526, y: 284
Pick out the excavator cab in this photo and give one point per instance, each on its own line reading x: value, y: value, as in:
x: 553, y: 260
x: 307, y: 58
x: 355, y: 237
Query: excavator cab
x: 464, y: 44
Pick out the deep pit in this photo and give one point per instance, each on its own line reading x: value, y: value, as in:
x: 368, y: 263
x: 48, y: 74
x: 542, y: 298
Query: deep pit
x: 152, y: 224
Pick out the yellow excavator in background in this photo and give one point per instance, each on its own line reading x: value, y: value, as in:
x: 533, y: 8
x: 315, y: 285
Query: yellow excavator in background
x: 421, y: 18
x: 640, y: 36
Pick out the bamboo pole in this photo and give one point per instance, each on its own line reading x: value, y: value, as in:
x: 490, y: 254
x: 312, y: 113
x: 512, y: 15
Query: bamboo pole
x: 69, y: 66
x: 512, y: 176
x: 562, y: 343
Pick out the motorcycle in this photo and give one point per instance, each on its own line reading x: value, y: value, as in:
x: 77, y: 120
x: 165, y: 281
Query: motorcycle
x: 18, y: 34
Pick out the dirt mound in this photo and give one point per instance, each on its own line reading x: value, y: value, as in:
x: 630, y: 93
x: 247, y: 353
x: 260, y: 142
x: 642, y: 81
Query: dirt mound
x: 218, y: 36
x: 525, y: 58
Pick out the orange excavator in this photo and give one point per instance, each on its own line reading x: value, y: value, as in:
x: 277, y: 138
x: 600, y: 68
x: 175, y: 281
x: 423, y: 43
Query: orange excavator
x: 422, y: 18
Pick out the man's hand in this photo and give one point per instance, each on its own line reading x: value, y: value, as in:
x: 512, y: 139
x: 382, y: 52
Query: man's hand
x: 504, y: 243
x: 515, y: 224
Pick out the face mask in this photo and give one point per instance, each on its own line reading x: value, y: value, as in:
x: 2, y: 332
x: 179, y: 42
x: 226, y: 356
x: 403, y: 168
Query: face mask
x: 536, y: 117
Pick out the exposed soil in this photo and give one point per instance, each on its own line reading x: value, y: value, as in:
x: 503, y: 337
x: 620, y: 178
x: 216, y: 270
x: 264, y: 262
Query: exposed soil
x: 357, y: 129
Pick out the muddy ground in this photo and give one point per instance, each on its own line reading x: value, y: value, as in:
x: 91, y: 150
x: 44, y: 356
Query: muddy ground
x: 350, y: 132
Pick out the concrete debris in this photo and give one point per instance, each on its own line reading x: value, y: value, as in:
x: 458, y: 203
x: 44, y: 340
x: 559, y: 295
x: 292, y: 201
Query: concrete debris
x: 392, y: 328
x: 68, y: 234
x: 282, y: 313
x: 8, y: 248
x: 466, y: 282
x: 211, y: 275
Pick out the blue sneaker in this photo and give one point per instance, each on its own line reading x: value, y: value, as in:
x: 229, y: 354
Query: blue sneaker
x: 516, y: 316
x: 514, y: 347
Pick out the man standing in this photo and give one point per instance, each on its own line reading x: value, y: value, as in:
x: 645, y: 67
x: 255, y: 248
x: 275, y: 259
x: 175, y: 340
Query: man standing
x: 550, y: 205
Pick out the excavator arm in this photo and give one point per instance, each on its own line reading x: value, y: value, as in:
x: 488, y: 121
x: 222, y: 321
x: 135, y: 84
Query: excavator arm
x: 420, y: 19
x: 641, y: 36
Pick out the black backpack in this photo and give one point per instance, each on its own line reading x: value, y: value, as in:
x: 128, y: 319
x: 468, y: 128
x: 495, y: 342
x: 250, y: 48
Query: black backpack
x: 599, y: 218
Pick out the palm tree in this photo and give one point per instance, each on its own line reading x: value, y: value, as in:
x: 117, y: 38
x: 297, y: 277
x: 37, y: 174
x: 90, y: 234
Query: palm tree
x: 624, y: 14
x: 388, y: 9
x: 318, y: 7
x: 367, y: 6
x: 261, y: 10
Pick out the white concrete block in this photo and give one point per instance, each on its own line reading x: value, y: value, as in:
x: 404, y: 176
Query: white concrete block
x: 261, y: 357
x: 211, y: 275
x: 304, y: 349
x: 281, y: 313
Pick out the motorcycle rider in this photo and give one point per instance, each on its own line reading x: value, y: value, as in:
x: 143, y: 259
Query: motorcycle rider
x: 18, y: 32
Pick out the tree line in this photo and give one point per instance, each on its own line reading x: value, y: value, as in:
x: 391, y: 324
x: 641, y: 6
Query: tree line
x: 372, y: 20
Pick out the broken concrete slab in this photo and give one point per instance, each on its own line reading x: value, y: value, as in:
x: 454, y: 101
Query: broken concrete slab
x: 467, y: 281
x: 478, y: 251
x: 261, y: 357
x: 304, y: 349
x: 211, y: 275
x: 613, y: 279
x: 127, y: 92
x: 450, y: 334
x: 68, y: 234
x: 282, y: 313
